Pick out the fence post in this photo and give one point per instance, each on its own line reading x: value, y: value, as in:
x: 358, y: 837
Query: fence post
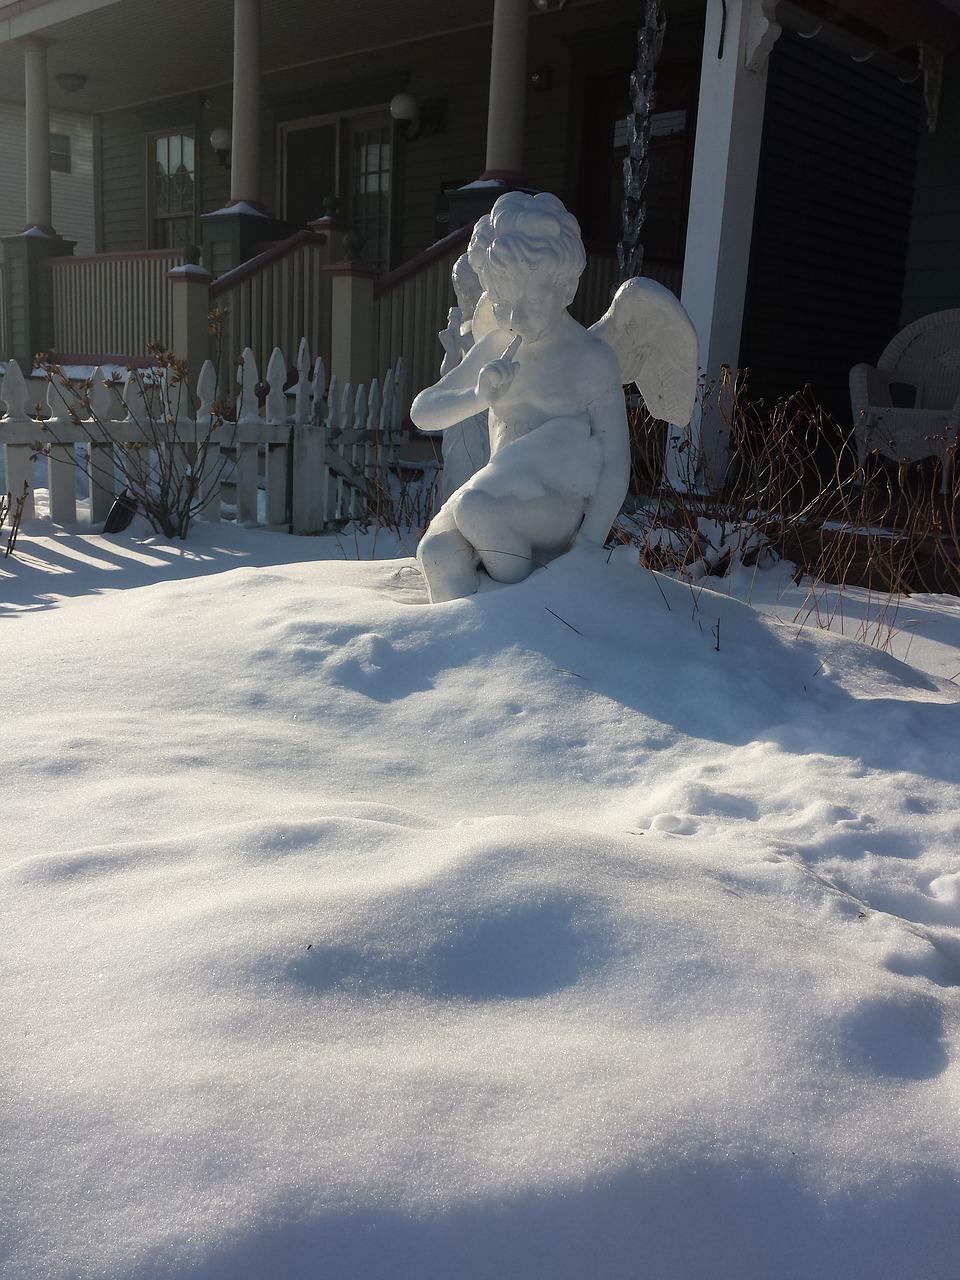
x: 352, y: 321
x: 190, y: 301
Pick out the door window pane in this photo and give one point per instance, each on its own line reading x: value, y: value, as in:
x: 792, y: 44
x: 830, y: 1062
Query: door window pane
x: 371, y: 192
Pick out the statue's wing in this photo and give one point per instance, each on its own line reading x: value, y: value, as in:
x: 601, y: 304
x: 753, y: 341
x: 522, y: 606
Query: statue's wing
x: 656, y: 344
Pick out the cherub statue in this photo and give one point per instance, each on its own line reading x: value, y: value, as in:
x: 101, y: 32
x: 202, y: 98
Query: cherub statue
x: 559, y: 448
x: 466, y: 445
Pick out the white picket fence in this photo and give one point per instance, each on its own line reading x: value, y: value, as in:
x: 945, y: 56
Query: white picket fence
x: 325, y: 449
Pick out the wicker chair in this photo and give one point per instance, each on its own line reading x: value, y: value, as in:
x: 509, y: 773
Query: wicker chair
x: 908, y: 407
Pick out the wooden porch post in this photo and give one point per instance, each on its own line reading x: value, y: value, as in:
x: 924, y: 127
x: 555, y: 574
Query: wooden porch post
x: 508, y: 91
x: 245, y: 149
x: 234, y: 234
x: 28, y: 287
x: 736, y: 45
x: 352, y: 322
x: 39, y: 203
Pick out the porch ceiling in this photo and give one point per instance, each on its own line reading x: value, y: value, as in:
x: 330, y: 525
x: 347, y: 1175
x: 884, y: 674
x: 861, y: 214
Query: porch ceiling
x: 135, y: 51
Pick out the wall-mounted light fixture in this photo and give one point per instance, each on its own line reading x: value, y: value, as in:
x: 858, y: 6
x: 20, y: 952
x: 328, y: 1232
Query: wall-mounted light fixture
x: 222, y: 140
x: 416, y: 119
x: 71, y: 81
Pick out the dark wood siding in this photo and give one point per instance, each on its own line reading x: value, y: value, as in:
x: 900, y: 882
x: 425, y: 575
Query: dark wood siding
x: 933, y: 261
x: 831, y: 223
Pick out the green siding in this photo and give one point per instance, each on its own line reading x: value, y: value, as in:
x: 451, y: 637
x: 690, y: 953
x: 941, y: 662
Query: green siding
x: 933, y: 259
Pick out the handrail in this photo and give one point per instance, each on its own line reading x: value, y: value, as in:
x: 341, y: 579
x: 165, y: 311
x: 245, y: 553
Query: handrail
x: 125, y: 255
x: 400, y: 275
x: 246, y: 270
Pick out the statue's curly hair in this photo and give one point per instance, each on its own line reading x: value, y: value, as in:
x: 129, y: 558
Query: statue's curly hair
x: 524, y: 233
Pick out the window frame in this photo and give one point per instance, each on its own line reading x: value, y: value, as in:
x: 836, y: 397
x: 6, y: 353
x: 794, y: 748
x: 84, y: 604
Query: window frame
x: 61, y: 153
x: 155, y: 218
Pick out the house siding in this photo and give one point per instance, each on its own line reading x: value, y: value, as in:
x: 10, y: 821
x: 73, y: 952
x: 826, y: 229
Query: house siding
x: 933, y: 260
x: 125, y: 216
x: 72, y: 193
x: 831, y: 223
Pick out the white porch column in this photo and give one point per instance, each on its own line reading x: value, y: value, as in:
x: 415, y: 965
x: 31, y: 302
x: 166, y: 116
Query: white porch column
x: 39, y: 206
x: 245, y: 145
x: 733, y: 80
x: 508, y: 90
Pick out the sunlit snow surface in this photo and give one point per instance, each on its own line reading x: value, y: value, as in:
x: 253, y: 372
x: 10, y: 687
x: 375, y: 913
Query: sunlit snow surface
x: 597, y: 927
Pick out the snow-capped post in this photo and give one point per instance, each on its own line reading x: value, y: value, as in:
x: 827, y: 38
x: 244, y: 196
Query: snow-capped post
x: 352, y: 313
x: 190, y: 310
x: 636, y: 163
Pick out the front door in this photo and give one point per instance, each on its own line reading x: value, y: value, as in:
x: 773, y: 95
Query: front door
x: 350, y: 157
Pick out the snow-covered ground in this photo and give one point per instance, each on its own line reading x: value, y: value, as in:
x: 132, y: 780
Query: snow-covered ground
x: 595, y: 928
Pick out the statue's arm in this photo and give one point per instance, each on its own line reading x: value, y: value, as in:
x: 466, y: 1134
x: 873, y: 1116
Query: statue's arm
x: 608, y: 421
x: 479, y: 381
x: 451, y: 341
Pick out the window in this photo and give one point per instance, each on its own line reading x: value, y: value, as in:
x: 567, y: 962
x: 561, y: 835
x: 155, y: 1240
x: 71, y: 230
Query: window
x: 60, y: 152
x: 173, y: 199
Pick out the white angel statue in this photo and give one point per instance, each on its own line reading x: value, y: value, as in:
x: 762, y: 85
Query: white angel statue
x: 559, y: 447
x: 466, y: 445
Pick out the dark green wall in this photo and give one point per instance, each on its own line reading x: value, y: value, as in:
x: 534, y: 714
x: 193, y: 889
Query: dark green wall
x: 933, y: 259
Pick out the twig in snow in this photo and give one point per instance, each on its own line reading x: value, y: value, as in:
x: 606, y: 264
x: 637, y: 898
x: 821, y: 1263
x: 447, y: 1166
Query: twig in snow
x: 563, y: 620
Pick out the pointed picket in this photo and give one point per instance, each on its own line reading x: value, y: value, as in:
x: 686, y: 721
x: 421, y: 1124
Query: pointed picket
x: 373, y: 406
x: 59, y: 398
x: 13, y: 391
x: 399, y: 382
x: 276, y: 405
x: 248, y: 409
x: 333, y: 404
x: 103, y: 406
x: 134, y: 398
x: 303, y: 391
x: 386, y: 410
x: 318, y: 391
x: 206, y: 394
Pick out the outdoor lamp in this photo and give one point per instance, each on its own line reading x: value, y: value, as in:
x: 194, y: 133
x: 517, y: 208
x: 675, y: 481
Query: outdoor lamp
x: 416, y: 119
x: 221, y: 140
x: 406, y: 111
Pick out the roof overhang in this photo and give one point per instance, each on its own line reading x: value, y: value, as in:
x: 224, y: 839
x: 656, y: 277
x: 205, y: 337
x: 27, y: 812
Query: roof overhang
x: 136, y: 51
x: 895, y: 25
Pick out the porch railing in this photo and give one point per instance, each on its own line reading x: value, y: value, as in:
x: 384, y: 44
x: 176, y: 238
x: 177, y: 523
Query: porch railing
x: 275, y: 299
x: 113, y: 304
x: 412, y: 304
x: 600, y: 276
